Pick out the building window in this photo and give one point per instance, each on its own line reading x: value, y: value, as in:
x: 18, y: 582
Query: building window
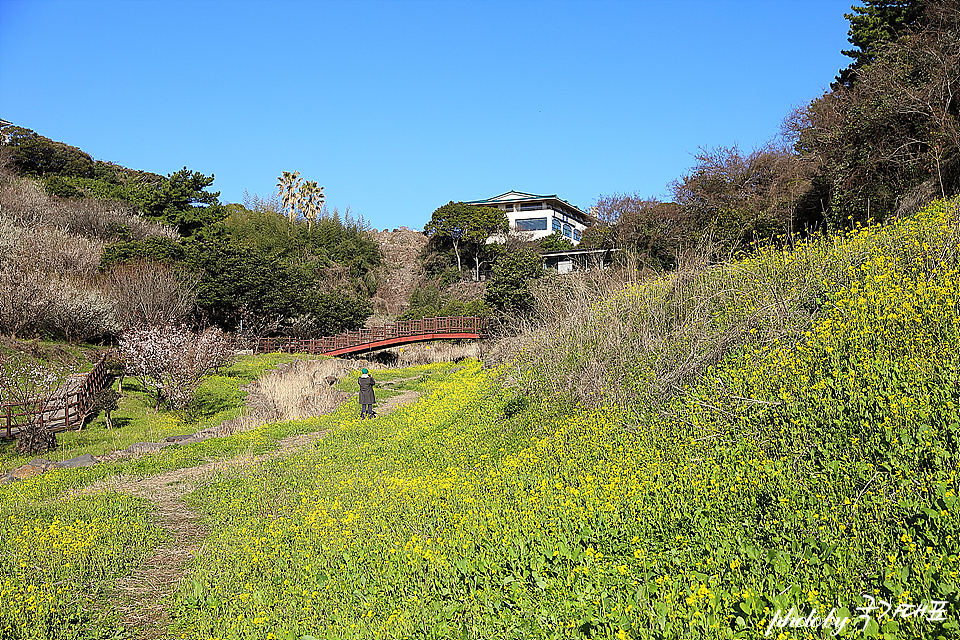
x: 567, y: 230
x: 557, y: 225
x: 576, y: 234
x: 531, y: 206
x: 532, y: 224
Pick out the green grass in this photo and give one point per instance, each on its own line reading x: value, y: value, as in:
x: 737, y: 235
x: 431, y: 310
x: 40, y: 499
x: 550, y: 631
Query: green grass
x: 62, y: 546
x: 800, y: 471
x: 62, y: 550
x: 803, y: 466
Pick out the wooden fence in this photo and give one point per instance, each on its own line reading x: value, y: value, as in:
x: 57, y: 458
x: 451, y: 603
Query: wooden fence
x: 377, y: 337
x: 66, y: 408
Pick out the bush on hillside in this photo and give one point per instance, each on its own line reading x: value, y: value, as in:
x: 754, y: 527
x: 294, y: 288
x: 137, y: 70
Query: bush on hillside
x: 236, y: 279
x: 34, y: 303
x: 254, y: 266
x: 555, y: 242
x: 650, y: 231
x: 735, y: 199
x: 35, y: 155
x: 509, y: 287
x: 886, y: 137
x: 25, y: 204
x: 47, y: 284
x: 180, y: 199
x: 155, y: 249
x: 261, y: 268
x: 24, y: 300
x: 427, y: 301
x: 80, y: 310
x: 327, y: 314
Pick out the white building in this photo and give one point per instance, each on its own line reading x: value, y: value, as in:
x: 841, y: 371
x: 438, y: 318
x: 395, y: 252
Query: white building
x: 539, y: 216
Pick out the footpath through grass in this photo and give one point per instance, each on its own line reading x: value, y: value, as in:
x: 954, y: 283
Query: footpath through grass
x: 62, y: 547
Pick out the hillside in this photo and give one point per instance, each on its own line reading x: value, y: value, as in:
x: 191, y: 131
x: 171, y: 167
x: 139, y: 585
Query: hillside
x: 92, y: 248
x: 398, y: 275
x: 772, y: 433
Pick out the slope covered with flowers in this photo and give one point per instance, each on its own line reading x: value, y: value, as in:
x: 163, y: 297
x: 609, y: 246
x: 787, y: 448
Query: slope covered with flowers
x: 806, y: 465
x: 797, y: 472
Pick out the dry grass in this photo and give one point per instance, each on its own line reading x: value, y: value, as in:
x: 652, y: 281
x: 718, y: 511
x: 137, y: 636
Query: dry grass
x: 305, y: 388
x: 50, y: 251
x: 145, y: 595
x: 292, y: 391
x: 413, y: 355
x: 24, y: 203
x: 621, y: 334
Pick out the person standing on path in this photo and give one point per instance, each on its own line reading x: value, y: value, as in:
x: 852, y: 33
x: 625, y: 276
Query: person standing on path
x: 367, y: 398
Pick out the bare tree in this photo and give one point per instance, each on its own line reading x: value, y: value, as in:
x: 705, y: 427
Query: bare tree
x: 24, y: 299
x: 891, y: 137
x: 651, y: 228
x: 79, y: 309
x: 734, y: 198
x: 150, y: 293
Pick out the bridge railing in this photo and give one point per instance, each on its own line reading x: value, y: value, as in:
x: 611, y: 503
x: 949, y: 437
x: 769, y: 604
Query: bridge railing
x: 407, y: 328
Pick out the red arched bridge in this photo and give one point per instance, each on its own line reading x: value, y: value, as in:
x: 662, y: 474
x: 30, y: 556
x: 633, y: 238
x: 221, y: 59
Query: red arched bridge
x: 374, y: 338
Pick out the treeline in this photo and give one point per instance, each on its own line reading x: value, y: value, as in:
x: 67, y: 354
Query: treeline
x: 883, y: 141
x: 94, y: 248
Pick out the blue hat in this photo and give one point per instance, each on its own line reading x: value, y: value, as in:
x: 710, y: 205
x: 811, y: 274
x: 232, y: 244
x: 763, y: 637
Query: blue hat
x: 364, y: 371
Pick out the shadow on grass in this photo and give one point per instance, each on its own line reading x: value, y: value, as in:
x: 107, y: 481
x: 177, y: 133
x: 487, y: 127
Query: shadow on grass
x: 120, y: 423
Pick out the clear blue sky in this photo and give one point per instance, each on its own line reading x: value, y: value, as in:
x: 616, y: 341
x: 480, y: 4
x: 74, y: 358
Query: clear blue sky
x: 397, y: 107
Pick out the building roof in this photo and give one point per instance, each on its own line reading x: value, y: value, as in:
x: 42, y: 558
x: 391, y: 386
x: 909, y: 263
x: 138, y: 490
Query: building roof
x: 520, y: 196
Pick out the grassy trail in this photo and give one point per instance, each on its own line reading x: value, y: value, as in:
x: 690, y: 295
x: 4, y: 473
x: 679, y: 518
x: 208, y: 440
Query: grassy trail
x: 145, y: 596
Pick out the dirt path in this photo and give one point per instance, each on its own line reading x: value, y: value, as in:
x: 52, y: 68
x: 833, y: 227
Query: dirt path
x: 387, y: 406
x: 144, y: 596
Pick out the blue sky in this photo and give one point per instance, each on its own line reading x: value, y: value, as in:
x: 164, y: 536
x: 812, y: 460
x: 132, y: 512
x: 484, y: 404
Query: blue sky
x: 397, y: 107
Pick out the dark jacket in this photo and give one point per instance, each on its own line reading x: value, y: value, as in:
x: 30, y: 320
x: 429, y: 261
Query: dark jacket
x: 366, y: 383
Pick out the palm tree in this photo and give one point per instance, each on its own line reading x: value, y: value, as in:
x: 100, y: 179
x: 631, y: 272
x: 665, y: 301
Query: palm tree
x: 288, y: 186
x: 313, y: 199
x: 300, y: 197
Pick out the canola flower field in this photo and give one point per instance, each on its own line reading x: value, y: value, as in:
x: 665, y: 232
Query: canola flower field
x: 799, y: 472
